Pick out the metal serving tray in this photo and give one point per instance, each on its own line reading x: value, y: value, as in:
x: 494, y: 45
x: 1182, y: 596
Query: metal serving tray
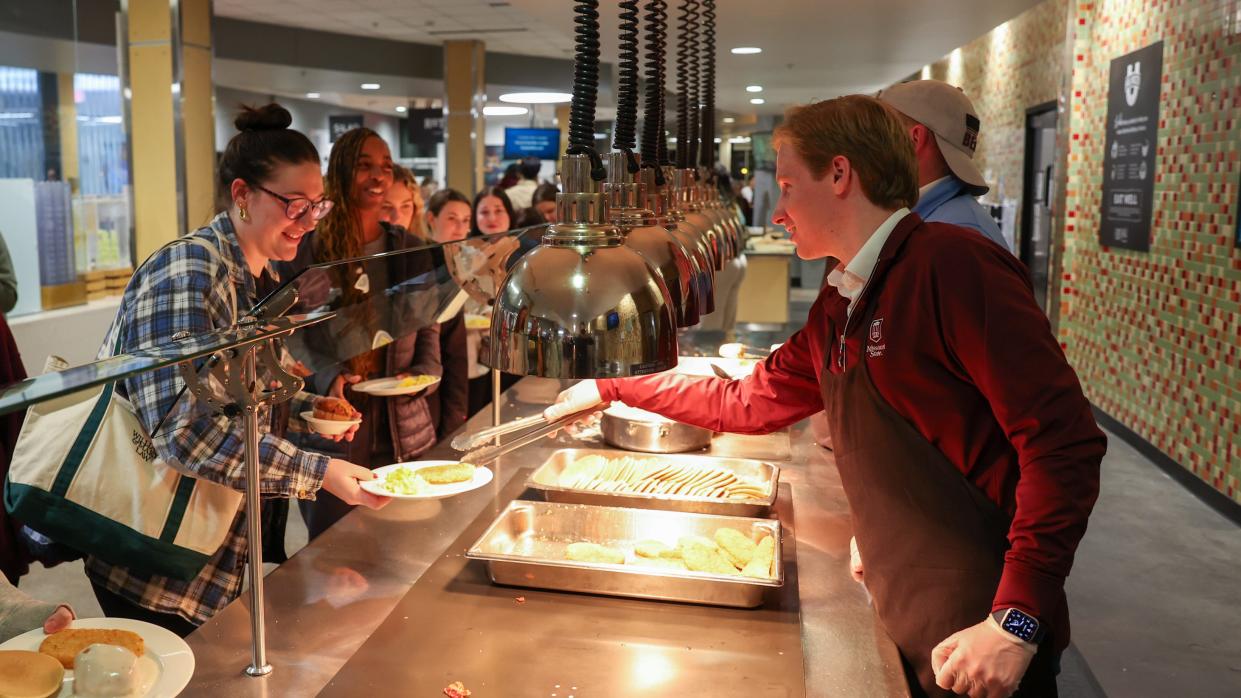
x: 525, y: 546
x: 547, y: 477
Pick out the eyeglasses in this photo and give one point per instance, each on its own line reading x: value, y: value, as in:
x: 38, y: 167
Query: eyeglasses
x: 300, y: 206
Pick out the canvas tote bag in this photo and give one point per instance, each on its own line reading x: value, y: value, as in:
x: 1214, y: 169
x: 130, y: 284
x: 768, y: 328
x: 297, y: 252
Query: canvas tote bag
x: 85, y: 474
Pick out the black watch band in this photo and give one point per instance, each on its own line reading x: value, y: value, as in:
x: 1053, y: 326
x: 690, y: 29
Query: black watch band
x: 1020, y: 625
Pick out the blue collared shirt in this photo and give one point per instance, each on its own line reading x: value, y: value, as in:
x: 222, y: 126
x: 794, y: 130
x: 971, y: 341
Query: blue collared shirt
x: 947, y: 201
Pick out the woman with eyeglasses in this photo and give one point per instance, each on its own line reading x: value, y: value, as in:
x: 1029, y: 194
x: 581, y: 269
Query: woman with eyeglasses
x: 202, y: 282
x: 360, y: 174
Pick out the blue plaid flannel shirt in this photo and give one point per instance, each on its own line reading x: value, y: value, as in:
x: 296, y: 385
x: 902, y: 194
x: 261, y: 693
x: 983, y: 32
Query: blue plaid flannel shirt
x: 184, y: 288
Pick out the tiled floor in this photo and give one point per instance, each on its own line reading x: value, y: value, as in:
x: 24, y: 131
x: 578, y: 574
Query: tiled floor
x: 1154, y: 591
x: 1155, y: 588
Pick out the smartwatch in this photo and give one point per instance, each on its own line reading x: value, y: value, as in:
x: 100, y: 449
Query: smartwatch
x: 1019, y: 624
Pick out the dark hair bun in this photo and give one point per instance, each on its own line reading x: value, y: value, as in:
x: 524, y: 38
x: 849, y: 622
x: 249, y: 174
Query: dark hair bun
x: 272, y: 117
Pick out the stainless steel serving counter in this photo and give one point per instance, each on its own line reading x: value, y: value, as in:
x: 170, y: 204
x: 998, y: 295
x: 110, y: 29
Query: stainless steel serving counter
x: 350, y: 604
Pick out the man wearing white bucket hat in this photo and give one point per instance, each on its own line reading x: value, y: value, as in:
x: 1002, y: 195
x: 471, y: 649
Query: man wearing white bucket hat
x: 944, y: 127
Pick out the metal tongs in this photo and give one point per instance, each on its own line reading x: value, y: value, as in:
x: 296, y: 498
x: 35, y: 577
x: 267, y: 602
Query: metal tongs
x: 482, y: 453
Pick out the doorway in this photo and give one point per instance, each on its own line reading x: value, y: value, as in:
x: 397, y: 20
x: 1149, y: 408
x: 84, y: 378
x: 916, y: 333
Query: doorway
x: 1039, y: 183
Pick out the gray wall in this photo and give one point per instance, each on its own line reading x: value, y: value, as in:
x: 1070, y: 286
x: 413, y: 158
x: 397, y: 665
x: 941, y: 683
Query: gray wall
x: 309, y: 117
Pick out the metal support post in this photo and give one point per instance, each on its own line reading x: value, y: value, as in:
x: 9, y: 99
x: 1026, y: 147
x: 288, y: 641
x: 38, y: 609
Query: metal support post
x: 254, y: 520
x: 495, y: 396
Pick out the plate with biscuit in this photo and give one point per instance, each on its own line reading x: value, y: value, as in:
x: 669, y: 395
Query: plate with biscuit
x: 393, y: 387
x: 97, y: 657
x: 332, y: 417
x: 427, y: 479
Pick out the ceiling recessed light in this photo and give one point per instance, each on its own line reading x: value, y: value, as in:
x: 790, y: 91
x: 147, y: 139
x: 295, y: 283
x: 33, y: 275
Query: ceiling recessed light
x: 312, y: 95
x: 504, y: 111
x: 370, y: 86
x: 729, y: 120
x: 753, y: 88
x: 536, y: 97
x: 717, y: 140
x: 746, y: 50
x: 758, y: 100
x: 402, y: 110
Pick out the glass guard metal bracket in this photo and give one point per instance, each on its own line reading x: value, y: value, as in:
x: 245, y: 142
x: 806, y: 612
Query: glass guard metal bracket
x: 215, y: 386
x: 231, y: 387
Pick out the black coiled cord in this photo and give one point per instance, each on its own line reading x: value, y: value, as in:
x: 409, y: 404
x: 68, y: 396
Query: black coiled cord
x: 585, y: 86
x: 625, y: 139
x: 664, y: 159
x: 653, y: 117
x: 708, y: 85
x: 687, y: 65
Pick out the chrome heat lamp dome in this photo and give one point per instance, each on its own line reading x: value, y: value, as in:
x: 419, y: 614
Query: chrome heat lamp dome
x: 647, y: 234
x: 582, y: 304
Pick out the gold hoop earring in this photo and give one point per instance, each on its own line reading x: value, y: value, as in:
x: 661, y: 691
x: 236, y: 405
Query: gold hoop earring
x: 243, y: 214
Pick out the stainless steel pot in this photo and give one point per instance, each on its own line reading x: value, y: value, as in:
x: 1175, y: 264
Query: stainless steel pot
x: 653, y: 435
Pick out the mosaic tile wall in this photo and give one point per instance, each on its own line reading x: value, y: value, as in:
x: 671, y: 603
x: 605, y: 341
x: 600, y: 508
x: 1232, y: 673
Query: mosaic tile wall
x: 1005, y: 72
x: 1153, y: 336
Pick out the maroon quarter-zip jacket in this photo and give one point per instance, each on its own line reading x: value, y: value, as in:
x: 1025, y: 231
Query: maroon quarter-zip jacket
x: 957, y: 345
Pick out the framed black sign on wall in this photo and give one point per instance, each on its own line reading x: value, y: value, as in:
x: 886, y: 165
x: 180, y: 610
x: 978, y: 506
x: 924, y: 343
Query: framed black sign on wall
x: 338, y: 126
x: 421, y: 131
x: 1129, y: 148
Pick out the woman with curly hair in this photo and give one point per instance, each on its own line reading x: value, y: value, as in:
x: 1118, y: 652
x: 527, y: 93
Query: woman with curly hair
x: 359, y: 176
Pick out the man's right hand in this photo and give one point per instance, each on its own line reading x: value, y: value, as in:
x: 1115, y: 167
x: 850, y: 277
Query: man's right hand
x: 341, y: 479
x: 578, y: 398
x: 855, y: 561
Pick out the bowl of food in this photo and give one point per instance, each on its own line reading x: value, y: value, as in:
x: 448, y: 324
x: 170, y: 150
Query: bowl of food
x: 332, y: 417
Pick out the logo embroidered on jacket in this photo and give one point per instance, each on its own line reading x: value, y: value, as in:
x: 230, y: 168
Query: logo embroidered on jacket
x: 876, y: 346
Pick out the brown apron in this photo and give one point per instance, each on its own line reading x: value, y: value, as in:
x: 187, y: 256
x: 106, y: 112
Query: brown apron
x: 932, y: 544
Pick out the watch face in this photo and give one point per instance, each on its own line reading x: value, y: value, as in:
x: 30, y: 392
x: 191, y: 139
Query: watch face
x: 1020, y: 624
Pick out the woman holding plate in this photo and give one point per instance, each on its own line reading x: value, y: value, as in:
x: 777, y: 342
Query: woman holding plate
x: 389, y: 384
x: 203, y: 282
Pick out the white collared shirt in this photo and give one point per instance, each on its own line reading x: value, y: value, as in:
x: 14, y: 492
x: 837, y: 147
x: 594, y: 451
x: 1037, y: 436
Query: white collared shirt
x: 852, y: 279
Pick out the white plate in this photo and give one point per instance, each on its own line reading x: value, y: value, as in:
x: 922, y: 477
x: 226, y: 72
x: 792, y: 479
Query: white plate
x: 481, y: 477
x: 328, y: 427
x: 477, y: 322
x: 172, y: 658
x: 387, y: 387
